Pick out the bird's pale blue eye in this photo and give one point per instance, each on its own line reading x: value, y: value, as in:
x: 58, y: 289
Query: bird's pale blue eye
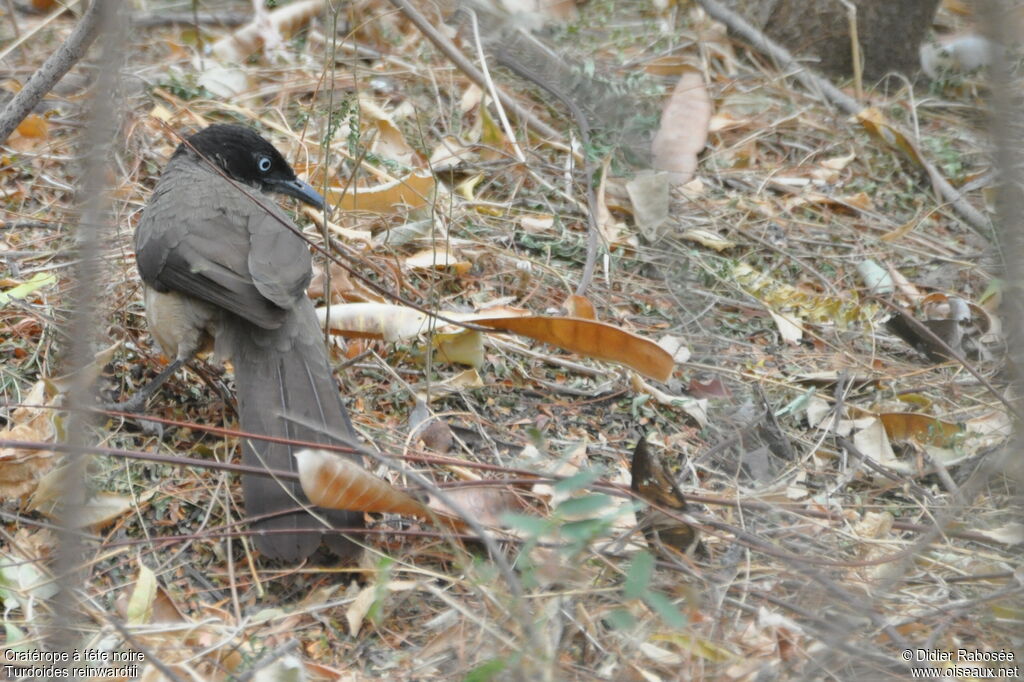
x: 263, y: 164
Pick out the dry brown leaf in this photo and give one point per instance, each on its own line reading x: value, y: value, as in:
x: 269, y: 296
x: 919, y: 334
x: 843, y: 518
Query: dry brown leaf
x: 1010, y: 534
x: 335, y: 482
x: 668, y: 65
x: 495, y: 145
x: 585, y: 337
x: 250, y: 39
x: 873, y: 441
x: 838, y: 163
x: 653, y: 484
x: 610, y: 228
x: 676, y: 347
x: 99, y: 511
x: 695, y: 407
x: 579, y: 306
x: 30, y: 133
x: 440, y: 256
x: 415, y: 190
x: 360, y: 606
x: 708, y: 239
x: 356, y: 612
x: 539, y: 13
x: 165, y: 610
x: 875, y: 122
x: 469, y: 378
x: 20, y: 470
x: 648, y: 194
x: 790, y: 328
x: 347, y: 234
x: 471, y: 98
x: 683, y: 131
x: 226, y: 82
x: 723, y: 120
x: 389, y: 142
x: 451, y: 153
x: 913, y: 426
x: 341, y: 283
x: 34, y: 126
x: 855, y: 202
x: 484, y: 503
x: 537, y: 224
x: 464, y: 348
x: 592, y: 339
x: 139, y: 610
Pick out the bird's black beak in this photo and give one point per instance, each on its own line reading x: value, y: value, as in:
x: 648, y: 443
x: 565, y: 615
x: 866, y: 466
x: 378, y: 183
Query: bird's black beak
x: 298, y: 189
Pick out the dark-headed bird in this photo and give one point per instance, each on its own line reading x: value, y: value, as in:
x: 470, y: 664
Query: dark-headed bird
x: 223, y: 269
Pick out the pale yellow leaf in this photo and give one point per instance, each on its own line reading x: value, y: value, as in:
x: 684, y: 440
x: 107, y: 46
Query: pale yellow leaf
x: 375, y: 320
x: 140, y: 604
x: 356, y: 612
x: 708, y: 239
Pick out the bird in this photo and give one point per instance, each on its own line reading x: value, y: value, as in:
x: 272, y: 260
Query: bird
x: 224, y: 269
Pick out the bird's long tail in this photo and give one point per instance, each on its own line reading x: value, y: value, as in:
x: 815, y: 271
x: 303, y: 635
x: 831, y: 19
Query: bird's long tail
x: 286, y: 390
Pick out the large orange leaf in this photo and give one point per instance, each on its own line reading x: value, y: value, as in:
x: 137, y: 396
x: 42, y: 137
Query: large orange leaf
x: 414, y: 190
x: 335, y: 482
x: 591, y: 338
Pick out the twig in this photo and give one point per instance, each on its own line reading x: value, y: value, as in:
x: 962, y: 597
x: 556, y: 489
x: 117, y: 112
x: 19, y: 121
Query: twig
x: 15, y: 44
x: 289, y: 648
x: 14, y: 21
x: 491, y: 88
x: 52, y: 70
x: 139, y: 646
x: 583, y: 125
x: 933, y: 338
x: 465, y: 66
x: 157, y: 19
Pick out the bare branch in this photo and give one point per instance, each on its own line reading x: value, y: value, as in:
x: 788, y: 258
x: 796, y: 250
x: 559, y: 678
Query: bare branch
x: 52, y: 70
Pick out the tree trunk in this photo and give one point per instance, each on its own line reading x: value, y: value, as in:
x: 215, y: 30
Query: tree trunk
x: 889, y: 31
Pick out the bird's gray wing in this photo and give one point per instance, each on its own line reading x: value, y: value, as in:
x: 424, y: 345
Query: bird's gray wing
x: 221, y: 247
x: 279, y: 259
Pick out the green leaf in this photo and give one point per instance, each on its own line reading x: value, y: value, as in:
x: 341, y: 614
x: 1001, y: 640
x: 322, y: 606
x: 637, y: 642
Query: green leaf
x: 14, y: 636
x: 39, y: 280
x: 620, y: 619
x: 797, y: 404
x: 664, y: 607
x: 581, y: 531
x: 638, y: 579
x: 486, y: 671
x: 584, y: 505
x: 531, y: 525
x: 577, y: 481
x: 20, y: 580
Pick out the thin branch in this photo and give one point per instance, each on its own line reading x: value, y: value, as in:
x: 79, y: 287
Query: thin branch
x: 465, y: 66
x: 52, y: 70
x: 91, y: 234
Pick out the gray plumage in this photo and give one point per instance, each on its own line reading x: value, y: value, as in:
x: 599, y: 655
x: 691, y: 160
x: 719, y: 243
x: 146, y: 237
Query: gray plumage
x: 219, y: 266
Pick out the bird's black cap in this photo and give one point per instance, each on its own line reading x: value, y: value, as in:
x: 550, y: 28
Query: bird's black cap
x: 247, y: 157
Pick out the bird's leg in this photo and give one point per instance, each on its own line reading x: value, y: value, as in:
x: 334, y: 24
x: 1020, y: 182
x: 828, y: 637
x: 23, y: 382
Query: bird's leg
x: 138, y: 401
x: 213, y: 377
